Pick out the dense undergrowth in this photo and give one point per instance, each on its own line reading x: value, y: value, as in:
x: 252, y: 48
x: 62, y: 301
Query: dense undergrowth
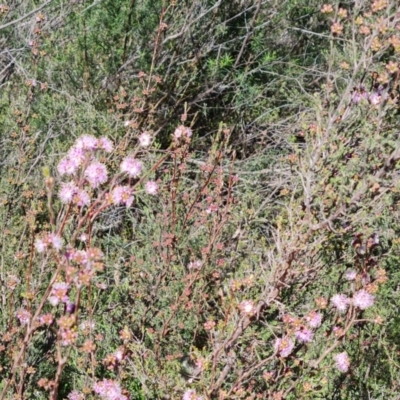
x: 199, y: 199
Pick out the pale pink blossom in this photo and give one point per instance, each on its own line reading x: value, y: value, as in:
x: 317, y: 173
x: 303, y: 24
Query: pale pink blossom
x: 24, y: 316
x: 284, y: 346
x: 59, y: 293
x: 108, y: 389
x: 77, y: 154
x: 122, y: 194
x: 119, y: 354
x: 247, y: 307
x: 191, y: 394
x: 363, y: 300
x: 314, y: 319
x: 67, y: 192
x: 105, y: 144
x: 144, y: 139
x: 87, y: 325
x: 102, y: 285
x: 340, y: 302
x: 182, y: 131
x: 151, y: 188
x: 195, y: 264
x: 86, y: 142
x: 131, y: 166
x: 342, y: 362
x: 68, y: 166
x: 96, y: 174
x: 375, y: 98
x: 40, y: 245
x: 75, y: 395
x: 81, y: 198
x: 46, y: 319
x: 55, y: 240
x: 79, y: 256
x: 304, y: 335
x: 68, y: 337
x: 350, y: 274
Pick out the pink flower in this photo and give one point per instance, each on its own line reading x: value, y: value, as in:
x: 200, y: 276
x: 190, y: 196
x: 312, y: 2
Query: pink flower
x: 363, y: 300
x: 68, y: 337
x: 350, y: 274
x: 55, y: 240
x: 40, y: 245
x: 75, y: 395
x: 304, y: 335
x: 77, y: 154
x: 105, y: 144
x: 46, y: 319
x: 314, y: 319
x: 86, y: 142
x: 96, y: 174
x: 79, y: 256
x: 144, y: 139
x: 195, y: 264
x: 24, y: 316
x: 342, y: 362
x: 119, y: 354
x: 131, y: 166
x: 151, y: 188
x: 108, y: 389
x: 81, y: 198
x: 59, y: 293
x: 191, y: 394
x: 340, y: 301
x: 375, y: 98
x: 284, y: 346
x: 122, y: 194
x: 68, y: 166
x: 67, y: 192
x: 247, y: 307
x: 182, y: 131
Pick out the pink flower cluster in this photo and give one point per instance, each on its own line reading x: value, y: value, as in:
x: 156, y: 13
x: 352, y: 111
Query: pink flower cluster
x: 144, y: 139
x: 340, y: 302
x: 151, y: 188
x: 191, y: 394
x: 303, y: 331
x: 48, y: 240
x: 361, y: 299
x: 59, y: 293
x: 108, y: 389
x: 96, y: 174
x: 284, y: 346
x: 131, y: 166
x: 82, y: 151
x: 342, y: 362
x: 304, y: 334
x: 247, y: 307
x: 24, y: 316
x: 68, y: 337
x: 122, y: 195
x: 70, y: 193
x: 84, y: 257
x: 75, y: 395
x: 314, y: 319
x: 182, y: 132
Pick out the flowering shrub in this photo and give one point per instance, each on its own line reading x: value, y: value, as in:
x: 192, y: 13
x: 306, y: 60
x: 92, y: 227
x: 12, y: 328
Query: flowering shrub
x: 161, y: 253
